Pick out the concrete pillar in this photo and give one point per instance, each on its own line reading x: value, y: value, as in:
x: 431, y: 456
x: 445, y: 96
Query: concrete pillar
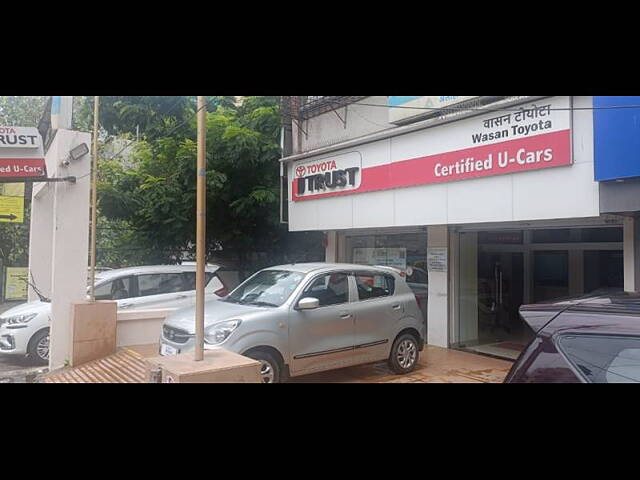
x: 58, y: 251
x: 631, y: 254
x: 438, y: 301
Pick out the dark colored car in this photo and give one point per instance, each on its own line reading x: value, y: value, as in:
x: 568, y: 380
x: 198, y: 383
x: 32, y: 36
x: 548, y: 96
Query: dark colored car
x: 589, y: 339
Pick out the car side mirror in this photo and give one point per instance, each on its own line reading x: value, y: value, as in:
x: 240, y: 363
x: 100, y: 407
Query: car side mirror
x: 308, y: 303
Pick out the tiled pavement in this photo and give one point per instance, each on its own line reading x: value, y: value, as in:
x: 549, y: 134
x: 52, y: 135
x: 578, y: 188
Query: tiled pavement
x: 436, y: 365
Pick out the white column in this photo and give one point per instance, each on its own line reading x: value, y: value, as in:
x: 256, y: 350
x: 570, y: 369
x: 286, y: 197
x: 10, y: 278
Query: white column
x: 70, y: 246
x: 631, y: 254
x: 438, y: 301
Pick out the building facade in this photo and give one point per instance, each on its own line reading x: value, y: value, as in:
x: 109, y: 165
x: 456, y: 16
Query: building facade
x: 486, y: 203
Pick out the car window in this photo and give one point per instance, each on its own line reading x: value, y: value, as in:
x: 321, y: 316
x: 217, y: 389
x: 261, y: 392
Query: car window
x: 329, y: 289
x: 115, y: 290
x: 604, y: 359
x: 190, y: 279
x: 374, y: 285
x: 158, y: 283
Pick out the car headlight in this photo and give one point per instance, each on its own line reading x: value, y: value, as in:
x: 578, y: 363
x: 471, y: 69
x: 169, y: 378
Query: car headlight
x: 219, y: 332
x: 20, y: 318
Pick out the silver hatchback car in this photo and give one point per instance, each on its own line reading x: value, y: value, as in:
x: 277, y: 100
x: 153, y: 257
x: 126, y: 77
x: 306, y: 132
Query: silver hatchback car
x: 309, y: 317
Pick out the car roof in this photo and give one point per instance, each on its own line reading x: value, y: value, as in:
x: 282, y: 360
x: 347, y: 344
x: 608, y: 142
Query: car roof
x: 325, y: 266
x: 120, y: 272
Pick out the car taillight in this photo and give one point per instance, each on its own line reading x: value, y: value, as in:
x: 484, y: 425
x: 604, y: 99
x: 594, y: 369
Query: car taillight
x: 222, y: 292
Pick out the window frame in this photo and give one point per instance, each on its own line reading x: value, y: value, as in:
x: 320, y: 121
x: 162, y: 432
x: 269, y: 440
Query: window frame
x: 384, y: 274
x: 133, y: 286
x: 180, y: 274
x: 350, y: 284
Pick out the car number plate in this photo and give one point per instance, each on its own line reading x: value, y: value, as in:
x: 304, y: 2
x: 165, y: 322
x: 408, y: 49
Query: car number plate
x: 168, y: 350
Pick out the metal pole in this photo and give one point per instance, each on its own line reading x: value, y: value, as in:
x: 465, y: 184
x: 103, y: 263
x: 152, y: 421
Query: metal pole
x: 201, y: 215
x: 94, y: 198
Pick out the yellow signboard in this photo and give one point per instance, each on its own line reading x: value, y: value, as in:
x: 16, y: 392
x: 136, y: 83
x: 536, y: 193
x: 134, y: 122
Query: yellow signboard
x: 15, y: 285
x: 12, y: 202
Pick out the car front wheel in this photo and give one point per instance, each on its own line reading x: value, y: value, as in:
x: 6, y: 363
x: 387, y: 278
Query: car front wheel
x: 39, y: 348
x: 270, y: 368
x: 404, y: 354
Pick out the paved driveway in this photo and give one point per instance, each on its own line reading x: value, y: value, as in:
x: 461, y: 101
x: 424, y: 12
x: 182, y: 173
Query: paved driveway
x: 436, y: 365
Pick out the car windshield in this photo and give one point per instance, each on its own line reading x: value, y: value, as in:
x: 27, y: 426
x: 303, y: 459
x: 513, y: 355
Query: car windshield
x: 268, y: 288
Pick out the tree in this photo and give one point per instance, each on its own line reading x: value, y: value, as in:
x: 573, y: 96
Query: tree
x: 21, y: 111
x: 157, y: 196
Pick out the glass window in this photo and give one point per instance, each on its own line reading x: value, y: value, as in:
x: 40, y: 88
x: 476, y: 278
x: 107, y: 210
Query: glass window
x: 607, y: 234
x: 115, y: 290
x: 329, y: 289
x: 372, y: 285
x: 156, y: 284
x: 190, y: 279
x: 550, y: 275
x: 266, y: 288
x: 603, y: 269
x: 604, y: 359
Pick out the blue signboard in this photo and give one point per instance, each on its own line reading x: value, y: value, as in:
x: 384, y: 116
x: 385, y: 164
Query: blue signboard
x: 616, y: 134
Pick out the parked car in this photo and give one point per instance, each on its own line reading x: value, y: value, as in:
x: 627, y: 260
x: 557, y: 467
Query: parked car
x: 24, y: 329
x: 309, y: 317
x: 589, y: 339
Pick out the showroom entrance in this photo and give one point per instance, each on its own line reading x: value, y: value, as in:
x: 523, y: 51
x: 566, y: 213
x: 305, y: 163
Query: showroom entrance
x: 499, y: 270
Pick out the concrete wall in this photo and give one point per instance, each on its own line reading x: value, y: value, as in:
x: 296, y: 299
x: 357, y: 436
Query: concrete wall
x: 327, y: 129
x: 561, y: 192
x: 142, y: 327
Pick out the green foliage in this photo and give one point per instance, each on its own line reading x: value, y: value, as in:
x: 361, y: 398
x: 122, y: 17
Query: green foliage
x: 21, y: 111
x: 156, y: 197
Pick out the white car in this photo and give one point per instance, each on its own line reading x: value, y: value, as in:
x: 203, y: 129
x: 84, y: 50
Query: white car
x: 24, y: 330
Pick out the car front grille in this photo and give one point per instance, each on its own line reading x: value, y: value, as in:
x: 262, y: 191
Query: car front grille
x: 175, y: 335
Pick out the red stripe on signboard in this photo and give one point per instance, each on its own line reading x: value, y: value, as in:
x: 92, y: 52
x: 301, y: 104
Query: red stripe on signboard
x: 519, y: 155
x: 22, y: 168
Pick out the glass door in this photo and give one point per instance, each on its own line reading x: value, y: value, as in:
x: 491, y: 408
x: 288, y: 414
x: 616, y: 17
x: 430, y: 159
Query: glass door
x: 490, y: 292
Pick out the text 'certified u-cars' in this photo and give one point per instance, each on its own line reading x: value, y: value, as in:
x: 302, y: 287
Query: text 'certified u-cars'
x: 309, y: 317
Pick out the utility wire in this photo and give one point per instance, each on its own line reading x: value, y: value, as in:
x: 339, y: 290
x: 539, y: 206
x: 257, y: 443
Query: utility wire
x: 488, y: 110
x: 167, y: 134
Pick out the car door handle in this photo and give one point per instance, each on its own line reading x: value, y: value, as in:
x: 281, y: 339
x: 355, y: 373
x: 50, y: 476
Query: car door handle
x: 126, y: 305
x: 182, y: 296
x: 345, y: 315
x: 397, y: 306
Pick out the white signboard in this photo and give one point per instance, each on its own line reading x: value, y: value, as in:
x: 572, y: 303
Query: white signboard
x: 510, y: 140
x: 390, y: 257
x: 429, y: 104
x: 19, y: 137
x: 437, y: 259
x: 326, y: 177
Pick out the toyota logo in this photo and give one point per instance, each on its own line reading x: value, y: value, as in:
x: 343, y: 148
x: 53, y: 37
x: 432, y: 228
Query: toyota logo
x: 300, y: 171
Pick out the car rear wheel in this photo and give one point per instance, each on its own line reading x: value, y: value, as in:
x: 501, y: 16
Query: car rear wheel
x: 39, y: 348
x: 270, y: 367
x: 404, y: 354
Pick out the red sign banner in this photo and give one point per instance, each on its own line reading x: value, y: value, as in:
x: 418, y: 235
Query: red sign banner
x: 519, y: 155
x: 21, y: 168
